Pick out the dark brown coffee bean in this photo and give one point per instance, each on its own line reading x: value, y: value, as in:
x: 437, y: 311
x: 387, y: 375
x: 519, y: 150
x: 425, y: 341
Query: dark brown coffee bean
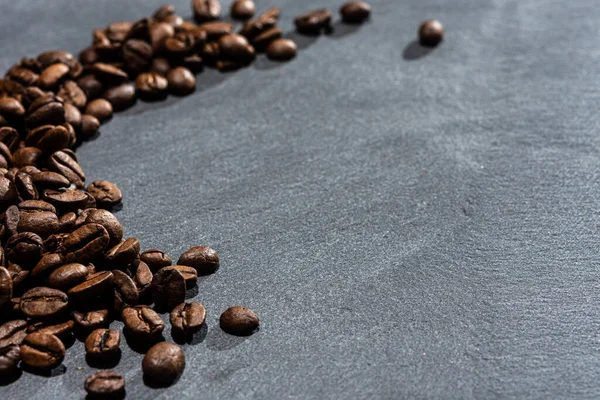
x: 42, y: 351
x: 11, y: 108
x: 139, y: 30
x: 117, y: 31
x: 89, y: 55
x: 6, y: 286
x: 61, y: 331
x: 26, y: 156
x: 54, y: 242
x: 66, y: 200
x: 23, y: 76
x: 204, y: 259
x: 163, y: 363
x: 95, y: 285
x: 179, y: 46
x: 103, y: 343
x: 313, y: 22
x: 25, y: 248
x: 38, y: 217
x: 143, y: 322
x: 194, y: 63
x: 105, y: 384
x: 91, y: 320
x: 282, y: 50
x: 181, y: 81
x: 236, y: 48
x: 239, y: 321
x: 52, y: 76
x: 89, y: 126
x: 10, y: 355
x: 49, y: 180
x: 11, y: 220
x: 109, y: 222
x: 137, y: 55
x: 106, y: 194
x: 48, y: 263
x: 65, y: 165
x: 261, y: 41
x: 188, y: 318
x: 160, y: 66
x: 189, y: 274
x: 8, y: 192
x: 142, y: 276
x: 67, y: 222
x: 121, y: 97
x: 206, y: 10
x: 215, y: 29
x: 13, y: 331
x: 163, y: 12
x: 17, y: 273
x: 264, y: 22
x: 85, y: 243
x: 50, y: 138
x: 243, y: 9
x: 126, y: 292
x: 151, y: 86
x: 71, y: 93
x: 72, y: 116
x: 159, y: 32
x: 156, y: 259
x: 43, y: 303
x: 124, y: 253
x: 431, y: 33
x: 46, y: 110
x: 109, y: 74
x: 50, y: 57
x: 228, y: 66
x: 101, y: 109
x: 168, y: 288
x: 9, y: 136
x: 67, y: 276
x: 91, y: 86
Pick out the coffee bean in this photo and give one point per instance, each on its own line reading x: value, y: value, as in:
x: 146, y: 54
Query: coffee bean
x: 215, y: 29
x: 9, y: 136
x: 52, y: 76
x: 47, y: 264
x: 124, y: 253
x: 25, y: 187
x: 43, y: 303
x: 206, y: 10
x: 10, y: 355
x: 179, y: 46
x: 106, y: 194
x: 61, y: 331
x: 142, y: 276
x: 137, y: 55
x: 161, y: 66
x: 6, y: 286
x: 105, y: 384
x: 23, y: 76
x: 13, y: 331
x: 37, y: 216
x: 109, y: 222
x: 181, y: 81
x: 25, y: 248
x: 66, y: 200
x: 95, y: 285
x: 204, y: 259
x: 187, y: 318
x: 54, y: 242
x: 282, y: 50
x: 89, y: 126
x: 163, y: 363
x: 168, y: 288
x: 243, y: 9
x: 85, y: 243
x: 67, y: 276
x: 49, y: 180
x: 121, y: 97
x: 264, y: 22
x: 175, y: 20
x: 159, y: 33
x: 313, y: 22
x: 17, y: 273
x: 42, y: 351
x: 103, y: 343
x: 101, y: 109
x: 71, y: 93
x: 143, y: 322
x: 239, y: 321
x: 163, y: 12
x: 46, y: 110
x: 26, y: 156
x: 91, y: 86
x: 189, y: 274
x: 151, y: 86
x: 236, y: 48
x: 8, y: 192
x: 126, y: 292
x: 67, y: 222
x: 109, y: 74
x: 261, y: 41
x: 156, y: 259
x: 72, y: 116
x: 117, y: 31
x: 431, y: 33
x: 65, y: 165
x: 89, y: 55
x: 51, y: 57
x: 91, y: 320
x: 49, y: 138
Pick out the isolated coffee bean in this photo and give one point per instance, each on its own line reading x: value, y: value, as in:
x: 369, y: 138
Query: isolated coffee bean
x: 243, y: 9
x: 91, y: 320
x: 156, y: 259
x: 95, y: 285
x: 71, y: 93
x: 103, y: 343
x: 123, y: 253
x: 265, y: 21
x: 67, y: 276
x: 91, y: 86
x: 143, y: 322
x: 106, y: 194
x: 239, y: 321
x: 6, y: 287
x: 151, y: 86
x: 163, y: 363
x: 43, y: 303
x: 46, y: 110
x: 10, y: 355
x: 188, y: 318
x: 204, y: 259
x: 13, y: 331
x: 121, y: 97
x: 37, y: 216
x: 47, y: 264
x: 109, y: 222
x: 65, y: 165
x: 261, y: 41
x: 105, y: 384
x: 126, y: 292
x: 431, y: 33
x: 66, y: 200
x: 206, y: 10
x: 62, y: 330
x: 236, y: 48
x: 24, y: 248
x: 85, y: 243
x: 137, y: 55
x: 168, y: 288
x: 189, y: 274
x: 100, y: 108
x: 282, y: 50
x: 313, y: 22
x: 181, y: 81
x: 42, y: 351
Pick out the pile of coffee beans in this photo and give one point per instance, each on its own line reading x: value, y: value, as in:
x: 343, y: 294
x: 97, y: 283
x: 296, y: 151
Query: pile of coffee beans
x: 65, y: 268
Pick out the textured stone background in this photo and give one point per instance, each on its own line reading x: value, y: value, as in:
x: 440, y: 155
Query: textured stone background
x: 406, y: 225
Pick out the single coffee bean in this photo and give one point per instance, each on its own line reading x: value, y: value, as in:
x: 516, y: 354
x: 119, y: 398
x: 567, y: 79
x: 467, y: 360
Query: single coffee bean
x: 10, y: 355
x: 355, y: 12
x: 105, y: 384
x: 26, y: 156
x: 38, y: 217
x: 58, y: 56
x: 11, y: 108
x: 61, y: 331
x: 156, y: 259
x: 23, y: 76
x: 236, y: 48
x: 109, y: 74
x: 121, y: 97
x: 159, y: 33
x: 163, y: 12
x: 151, y: 86
x: 67, y: 166
x: 85, y: 243
x: 91, y: 86
x: 142, y: 276
x: 243, y: 9
x: 163, y: 363
x: 66, y: 200
x: 106, y: 194
x: 189, y: 274
x: 89, y: 126
x: 117, y: 31
x: 17, y: 273
x: 25, y: 187
x: 13, y: 331
x: 168, y: 288
x: 161, y: 66
x: 124, y: 253
x: 101, y: 109
x: 67, y: 276
x: 49, y: 180
x: 52, y: 76
x: 42, y: 351
x: 261, y: 41
x: 109, y: 222
x: 9, y: 136
x: 137, y: 55
x: 313, y: 22
x: 103, y: 343
x: 187, y: 318
x: 126, y: 292
x: 66, y: 222
x: 282, y: 50
x: 43, y: 303
x: 91, y: 320
x: 206, y: 10
x: 50, y: 138
x: 48, y: 263
x: 95, y: 285
x: 194, y: 63
x: 181, y: 81
x: 143, y: 322
x: 431, y: 33
x: 71, y: 93
x: 72, y: 116
x: 215, y: 29
x: 264, y: 22
x: 239, y: 321
x: 204, y: 259
x: 6, y: 287
x: 179, y: 46
x: 25, y: 248
x: 8, y: 192
x: 46, y: 110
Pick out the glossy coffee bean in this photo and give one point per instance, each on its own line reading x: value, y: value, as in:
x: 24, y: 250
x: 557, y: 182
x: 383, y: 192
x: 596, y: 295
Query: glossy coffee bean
x: 89, y: 126
x: 62, y: 330
x: 156, y: 259
x: 168, y: 288
x: 123, y: 254
x: 85, y: 243
x: 67, y: 276
x: 38, y: 217
x: 95, y: 285
x: 52, y: 76
x: 163, y: 363
x: 243, y: 9
x: 239, y: 321
x: 190, y: 275
x: 106, y: 194
x: 204, y: 259
x: 264, y: 22
x: 25, y: 248
x: 143, y: 322
x: 126, y: 292
x: 206, y: 10
x: 10, y: 355
x: 105, y: 385
x: 43, y: 303
x: 109, y: 74
x: 109, y: 222
x: 13, y: 331
x: 215, y: 29
x: 47, y: 264
x: 431, y: 33
x: 181, y: 81
x: 46, y: 110
x: 137, y: 55
x: 101, y: 109
x: 151, y: 86
x: 66, y: 165
x: 261, y: 41
x: 188, y: 318
x: 159, y: 32
x: 142, y: 276
x: 179, y: 46
x: 66, y: 200
x: 282, y: 50
x: 42, y: 351
x: 91, y: 320
x: 313, y: 22
x: 103, y: 343
x: 49, y: 180
x: 236, y: 48
x: 91, y: 86
x: 121, y: 97
x: 73, y: 116
x: 49, y: 138
x: 6, y: 286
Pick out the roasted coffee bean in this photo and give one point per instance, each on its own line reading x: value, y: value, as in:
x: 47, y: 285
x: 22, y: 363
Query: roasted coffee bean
x: 143, y: 322
x: 50, y: 57
x: 139, y: 30
x: 46, y: 110
x: 66, y: 200
x: 71, y: 93
x: 236, y: 48
x: 204, y: 259
x: 159, y: 32
x: 17, y: 273
x: 194, y: 63
x: 85, y: 243
x: 89, y: 55
x: 239, y: 321
x: 261, y: 41
x: 11, y: 220
x: 89, y: 126
x: 189, y: 274
x: 13, y: 331
x: 10, y: 355
x: 181, y: 81
x: 163, y: 363
x: 9, y: 136
x: 313, y: 22
x: 206, y: 10
x: 160, y: 66
x: 26, y: 156
x: 106, y: 194
x: 67, y: 276
x: 109, y: 73
x: 37, y: 216
x: 188, y: 318
x: 52, y: 76
x: 109, y: 222
x: 151, y: 86
x: 11, y: 108
x: 6, y: 286
x: 103, y: 343
x: 95, y: 285
x: 8, y: 192
x: 243, y: 9
x: 105, y: 385
x: 215, y: 29
x: 124, y: 253
x: 179, y: 46
x: 72, y: 116
x: 91, y: 320
x: 24, y: 248
x: 163, y: 12
x: 65, y: 165
x: 66, y: 222
x: 431, y: 33
x: 101, y: 109
x: 137, y: 55
x: 24, y: 76
x: 61, y: 331
x: 50, y: 139
x: 126, y: 292
x: 156, y: 259
x: 91, y: 86
x: 54, y: 242
x: 142, y: 276
x: 121, y: 97
x: 168, y: 288
x: 43, y: 303
x: 48, y: 263
x: 282, y: 50
x: 264, y: 22
x: 5, y: 156
x: 42, y: 351
x: 117, y: 31
x: 49, y: 180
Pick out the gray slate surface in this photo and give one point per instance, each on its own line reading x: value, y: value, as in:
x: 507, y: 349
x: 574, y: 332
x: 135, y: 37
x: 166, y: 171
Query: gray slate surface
x: 406, y: 225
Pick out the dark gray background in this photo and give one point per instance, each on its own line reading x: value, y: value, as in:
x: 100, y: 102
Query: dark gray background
x: 405, y: 226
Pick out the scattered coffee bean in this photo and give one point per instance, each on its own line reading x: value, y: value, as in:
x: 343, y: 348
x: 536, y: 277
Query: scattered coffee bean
x: 239, y: 321
x: 91, y: 320
x: 126, y: 292
x: 261, y: 41
x: 13, y: 331
x: 10, y: 355
x: 42, y: 351
x: 264, y: 22
x: 152, y: 86
x: 67, y: 276
x: 43, y: 303
x: 236, y: 48
x: 85, y: 243
x: 243, y: 9
x: 282, y: 50
x: 215, y: 29
x: 163, y: 363
x: 89, y: 126
x: 188, y: 318
x: 106, y: 194
x: 121, y: 97
x: 206, y: 10
x: 181, y: 81
x: 355, y: 12
x: 101, y: 109
x: 313, y: 22
x: 61, y: 331
x: 143, y: 322
x: 95, y: 285
x: 168, y: 288
x: 431, y: 33
x: 156, y: 259
x: 103, y: 343
x: 204, y: 259
x: 105, y: 384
